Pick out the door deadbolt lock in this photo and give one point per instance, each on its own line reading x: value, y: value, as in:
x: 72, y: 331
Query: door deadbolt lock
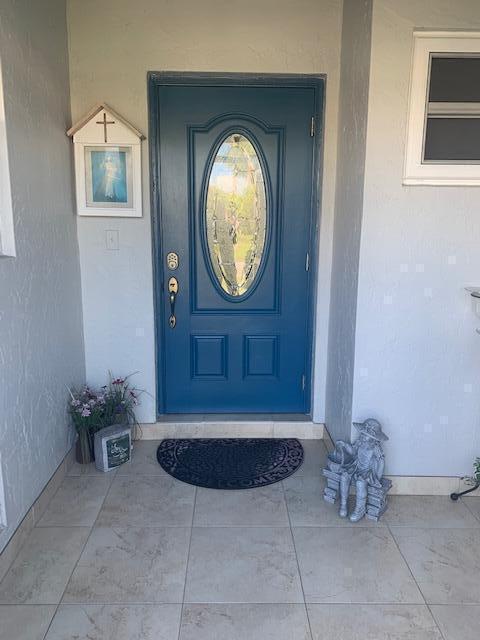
x: 172, y: 261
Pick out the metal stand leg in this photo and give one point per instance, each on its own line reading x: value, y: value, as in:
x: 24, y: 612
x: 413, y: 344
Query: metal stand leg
x: 456, y: 496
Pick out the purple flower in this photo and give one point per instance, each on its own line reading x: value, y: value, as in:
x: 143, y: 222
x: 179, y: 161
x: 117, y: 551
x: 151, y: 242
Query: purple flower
x: 85, y: 412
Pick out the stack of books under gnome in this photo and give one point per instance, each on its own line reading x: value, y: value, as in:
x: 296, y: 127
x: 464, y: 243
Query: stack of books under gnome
x: 376, y: 496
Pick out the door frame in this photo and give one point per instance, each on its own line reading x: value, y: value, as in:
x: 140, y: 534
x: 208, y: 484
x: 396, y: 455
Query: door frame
x: 158, y: 79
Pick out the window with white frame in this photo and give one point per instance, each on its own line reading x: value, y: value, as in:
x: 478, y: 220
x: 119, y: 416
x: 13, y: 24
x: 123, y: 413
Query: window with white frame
x: 443, y: 135
x: 7, y: 240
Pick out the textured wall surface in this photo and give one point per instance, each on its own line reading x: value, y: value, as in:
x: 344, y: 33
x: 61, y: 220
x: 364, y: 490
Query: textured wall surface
x: 113, y: 44
x: 41, y: 344
x: 352, y: 131
x: 417, y: 354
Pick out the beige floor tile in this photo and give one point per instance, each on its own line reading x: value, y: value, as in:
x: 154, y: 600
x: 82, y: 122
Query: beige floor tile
x: 444, y: 562
x: 131, y: 565
x: 144, y: 460
x: 315, y: 454
x: 9, y: 553
x: 76, y: 469
x: 473, y: 505
x: 148, y: 501
x: 428, y: 511
x: 242, y: 564
x: 43, y: 566
x: 458, y: 622
x: 373, y: 621
x: 353, y: 564
x: 244, y: 622
x: 24, y: 622
x: 77, y: 502
x: 116, y: 622
x: 251, y: 507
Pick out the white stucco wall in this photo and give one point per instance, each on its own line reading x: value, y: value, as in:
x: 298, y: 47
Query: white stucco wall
x: 41, y: 343
x: 417, y: 361
x: 352, y: 130
x: 113, y: 44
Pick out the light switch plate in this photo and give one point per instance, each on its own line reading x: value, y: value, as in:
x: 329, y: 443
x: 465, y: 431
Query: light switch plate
x: 112, y: 239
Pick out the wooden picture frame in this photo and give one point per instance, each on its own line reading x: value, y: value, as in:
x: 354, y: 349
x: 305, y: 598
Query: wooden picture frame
x: 108, y: 165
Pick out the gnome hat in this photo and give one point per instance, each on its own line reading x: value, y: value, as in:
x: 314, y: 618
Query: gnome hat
x: 372, y: 428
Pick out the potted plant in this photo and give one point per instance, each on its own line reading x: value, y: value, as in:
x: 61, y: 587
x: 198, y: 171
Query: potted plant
x: 87, y: 409
x: 120, y: 402
x: 475, y: 479
x: 93, y: 410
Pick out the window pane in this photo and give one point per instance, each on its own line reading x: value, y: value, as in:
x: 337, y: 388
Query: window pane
x: 455, y: 79
x: 452, y: 139
x: 236, y: 214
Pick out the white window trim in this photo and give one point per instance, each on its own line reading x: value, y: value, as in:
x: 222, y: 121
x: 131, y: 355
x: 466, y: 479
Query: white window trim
x: 7, y: 239
x: 417, y: 172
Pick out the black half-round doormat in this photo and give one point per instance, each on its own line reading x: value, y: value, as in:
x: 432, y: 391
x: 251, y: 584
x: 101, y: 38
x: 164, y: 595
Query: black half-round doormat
x: 233, y: 463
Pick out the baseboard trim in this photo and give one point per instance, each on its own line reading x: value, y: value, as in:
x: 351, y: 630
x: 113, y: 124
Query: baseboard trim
x: 305, y: 430
x: 33, y: 515
x: 427, y: 485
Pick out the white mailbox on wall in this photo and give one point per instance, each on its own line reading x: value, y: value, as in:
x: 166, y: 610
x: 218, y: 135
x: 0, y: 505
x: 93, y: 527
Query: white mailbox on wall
x: 108, y: 164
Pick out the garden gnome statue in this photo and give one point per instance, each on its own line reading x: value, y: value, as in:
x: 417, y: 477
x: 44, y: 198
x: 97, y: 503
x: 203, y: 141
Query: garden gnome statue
x: 363, y: 463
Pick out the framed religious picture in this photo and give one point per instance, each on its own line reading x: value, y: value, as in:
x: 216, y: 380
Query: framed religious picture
x: 107, y: 165
x: 108, y: 177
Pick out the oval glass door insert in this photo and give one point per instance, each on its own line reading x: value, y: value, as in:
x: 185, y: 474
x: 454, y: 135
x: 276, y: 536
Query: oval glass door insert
x: 236, y: 214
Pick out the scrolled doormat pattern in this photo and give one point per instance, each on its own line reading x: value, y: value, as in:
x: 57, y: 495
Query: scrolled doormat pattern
x: 230, y: 463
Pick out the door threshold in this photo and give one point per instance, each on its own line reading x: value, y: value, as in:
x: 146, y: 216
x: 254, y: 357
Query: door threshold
x: 232, y: 427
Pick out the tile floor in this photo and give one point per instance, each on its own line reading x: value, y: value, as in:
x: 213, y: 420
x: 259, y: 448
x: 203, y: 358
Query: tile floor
x: 137, y: 555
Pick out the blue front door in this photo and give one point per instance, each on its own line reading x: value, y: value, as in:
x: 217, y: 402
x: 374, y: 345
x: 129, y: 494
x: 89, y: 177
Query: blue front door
x: 235, y: 175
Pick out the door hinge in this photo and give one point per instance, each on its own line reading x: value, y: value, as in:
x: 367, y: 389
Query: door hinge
x: 303, y: 382
x: 312, y: 126
x: 307, y: 261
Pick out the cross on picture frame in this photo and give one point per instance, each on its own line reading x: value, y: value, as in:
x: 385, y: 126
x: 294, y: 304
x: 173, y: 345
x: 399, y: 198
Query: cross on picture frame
x: 105, y: 123
x: 107, y: 164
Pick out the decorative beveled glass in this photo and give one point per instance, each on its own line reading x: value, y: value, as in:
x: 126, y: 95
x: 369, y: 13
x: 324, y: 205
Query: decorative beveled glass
x: 236, y: 214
